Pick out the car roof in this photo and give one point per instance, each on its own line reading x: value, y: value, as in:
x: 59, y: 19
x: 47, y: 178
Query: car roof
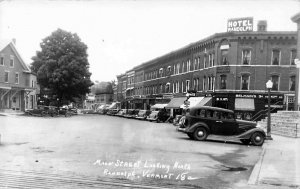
x: 211, y: 108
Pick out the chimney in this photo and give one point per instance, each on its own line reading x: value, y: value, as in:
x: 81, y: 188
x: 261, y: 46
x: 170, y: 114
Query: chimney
x: 262, y: 26
x: 14, y: 41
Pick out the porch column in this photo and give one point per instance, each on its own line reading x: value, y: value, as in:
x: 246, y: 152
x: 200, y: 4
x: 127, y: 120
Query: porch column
x: 22, y: 105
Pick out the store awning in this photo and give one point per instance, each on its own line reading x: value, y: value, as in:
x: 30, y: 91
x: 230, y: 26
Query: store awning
x: 193, y: 101
x: 206, y: 101
x: 176, y: 102
x: 158, y: 106
x: 112, y: 106
x: 245, y: 104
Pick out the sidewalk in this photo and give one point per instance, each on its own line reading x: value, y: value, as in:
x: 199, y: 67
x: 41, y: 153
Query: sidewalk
x: 279, y: 165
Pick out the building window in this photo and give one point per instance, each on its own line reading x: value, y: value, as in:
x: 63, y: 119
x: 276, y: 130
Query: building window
x: 178, y: 68
x: 223, y: 81
x: 195, y: 64
x: 177, y: 87
x: 275, y: 57
x: 167, y: 88
x: 198, y: 62
x: 275, y: 80
x: 246, y: 57
x: 292, y: 83
x: 188, y: 65
x: 182, y: 87
x: 212, y: 59
x: 1, y: 61
x: 17, y: 78
x: 204, y: 61
x: 293, y: 56
x: 6, y: 77
x: 169, y: 70
x: 161, y: 71
x: 224, y: 57
x: 245, y: 82
x: 194, y: 84
x: 204, y: 83
x: 187, y: 88
x: 197, y: 84
x: 11, y: 62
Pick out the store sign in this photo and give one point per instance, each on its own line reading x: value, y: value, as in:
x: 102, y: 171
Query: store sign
x: 240, y: 24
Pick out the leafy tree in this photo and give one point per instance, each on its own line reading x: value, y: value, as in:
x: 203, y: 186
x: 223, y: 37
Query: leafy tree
x: 62, y: 67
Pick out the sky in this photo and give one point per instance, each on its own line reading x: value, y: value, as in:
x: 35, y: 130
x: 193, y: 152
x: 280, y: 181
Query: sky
x: 121, y: 34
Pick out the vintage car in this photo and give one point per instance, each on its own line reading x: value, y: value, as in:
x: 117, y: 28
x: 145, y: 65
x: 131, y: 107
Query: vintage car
x: 142, y: 114
x: 202, y: 121
x: 176, y: 120
x: 121, y: 113
x: 112, y: 112
x: 131, y: 113
x: 159, y: 116
x: 43, y: 111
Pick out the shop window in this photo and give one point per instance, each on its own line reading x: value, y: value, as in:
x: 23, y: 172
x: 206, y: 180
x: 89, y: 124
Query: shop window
x: 292, y: 83
x: 224, y: 57
x: 293, y: 56
x: 245, y: 82
x: 246, y: 57
x: 275, y: 57
x: 275, y: 80
x: 223, y: 81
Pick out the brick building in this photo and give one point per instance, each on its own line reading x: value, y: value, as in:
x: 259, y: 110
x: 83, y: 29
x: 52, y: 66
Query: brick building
x: 18, y: 86
x: 231, y: 67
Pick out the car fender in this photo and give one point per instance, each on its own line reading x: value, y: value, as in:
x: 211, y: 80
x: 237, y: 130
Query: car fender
x: 249, y: 133
x: 196, y: 125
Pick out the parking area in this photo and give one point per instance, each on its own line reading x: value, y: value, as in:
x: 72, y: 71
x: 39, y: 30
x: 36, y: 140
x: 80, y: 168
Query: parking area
x: 101, y: 147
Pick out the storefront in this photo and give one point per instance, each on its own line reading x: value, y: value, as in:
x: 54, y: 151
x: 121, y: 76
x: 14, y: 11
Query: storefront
x: 248, y: 106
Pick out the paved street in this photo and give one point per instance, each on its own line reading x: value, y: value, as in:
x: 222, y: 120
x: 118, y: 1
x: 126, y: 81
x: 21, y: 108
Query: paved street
x: 97, y: 151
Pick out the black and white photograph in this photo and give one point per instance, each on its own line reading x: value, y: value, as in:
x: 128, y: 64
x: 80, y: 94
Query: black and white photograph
x: 150, y: 94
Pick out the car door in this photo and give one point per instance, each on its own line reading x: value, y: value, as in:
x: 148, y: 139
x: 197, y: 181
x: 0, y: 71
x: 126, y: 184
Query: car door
x: 228, y: 126
x: 215, y: 123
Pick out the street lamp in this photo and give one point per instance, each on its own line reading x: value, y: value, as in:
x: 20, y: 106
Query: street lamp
x: 269, y: 86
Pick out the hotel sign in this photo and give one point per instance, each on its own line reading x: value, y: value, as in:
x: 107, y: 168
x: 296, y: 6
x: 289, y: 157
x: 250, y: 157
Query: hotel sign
x: 240, y: 24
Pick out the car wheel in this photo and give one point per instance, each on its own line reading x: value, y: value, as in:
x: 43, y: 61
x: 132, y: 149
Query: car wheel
x: 190, y: 135
x: 200, y: 133
x: 257, y: 139
x: 246, y: 141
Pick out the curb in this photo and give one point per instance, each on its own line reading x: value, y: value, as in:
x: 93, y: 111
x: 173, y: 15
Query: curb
x: 253, y: 179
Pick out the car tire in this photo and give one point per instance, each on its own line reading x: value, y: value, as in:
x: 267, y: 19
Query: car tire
x: 245, y: 141
x: 257, y: 139
x: 200, y: 134
x: 191, y: 135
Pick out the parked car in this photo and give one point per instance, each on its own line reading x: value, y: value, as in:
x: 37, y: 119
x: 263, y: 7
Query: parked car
x: 122, y: 112
x: 142, y: 114
x: 102, y: 111
x: 112, y: 111
x: 87, y: 111
x: 43, y: 111
x: 158, y: 116
x: 176, y: 120
x: 202, y: 121
x: 131, y: 113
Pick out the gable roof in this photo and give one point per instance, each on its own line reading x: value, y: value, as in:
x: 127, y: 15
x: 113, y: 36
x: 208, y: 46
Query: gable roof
x: 5, y: 43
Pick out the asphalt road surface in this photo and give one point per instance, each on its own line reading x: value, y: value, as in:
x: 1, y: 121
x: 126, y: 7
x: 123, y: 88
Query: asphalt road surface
x: 98, y: 151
